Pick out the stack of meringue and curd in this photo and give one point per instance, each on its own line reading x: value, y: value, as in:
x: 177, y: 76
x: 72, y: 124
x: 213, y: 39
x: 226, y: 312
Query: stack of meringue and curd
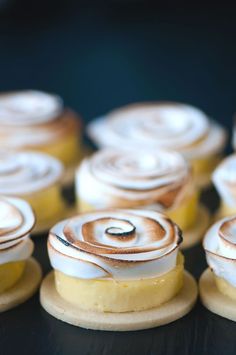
x: 117, y: 270
x: 166, y: 125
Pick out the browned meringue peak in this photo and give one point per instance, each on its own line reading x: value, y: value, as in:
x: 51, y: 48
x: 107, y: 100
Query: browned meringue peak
x: 16, y: 221
x: 127, y: 244
x: 167, y: 125
x: 121, y: 178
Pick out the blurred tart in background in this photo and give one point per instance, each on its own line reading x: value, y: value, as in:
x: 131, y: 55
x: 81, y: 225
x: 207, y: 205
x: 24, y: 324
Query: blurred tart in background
x: 166, y: 125
x: 34, y: 120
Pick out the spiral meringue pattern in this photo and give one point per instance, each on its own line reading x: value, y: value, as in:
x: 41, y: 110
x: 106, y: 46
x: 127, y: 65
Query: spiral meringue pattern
x: 26, y: 172
x: 224, y: 179
x: 118, y: 178
x: 220, y: 247
x: 116, y: 244
x: 160, y: 125
x: 16, y: 222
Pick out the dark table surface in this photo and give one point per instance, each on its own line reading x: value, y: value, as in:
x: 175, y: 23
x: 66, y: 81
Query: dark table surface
x: 31, y: 330
x: 98, y: 56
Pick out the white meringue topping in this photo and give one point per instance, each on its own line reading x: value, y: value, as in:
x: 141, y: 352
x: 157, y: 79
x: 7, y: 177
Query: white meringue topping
x: 119, y: 244
x: 25, y: 172
x: 16, y: 222
x: 118, y: 178
x: 28, y: 107
x: 162, y: 125
x: 220, y: 247
x: 224, y: 179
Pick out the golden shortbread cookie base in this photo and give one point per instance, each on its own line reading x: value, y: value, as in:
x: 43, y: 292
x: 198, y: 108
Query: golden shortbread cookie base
x: 213, y: 299
x: 24, y: 288
x: 176, y: 308
x: 194, y: 235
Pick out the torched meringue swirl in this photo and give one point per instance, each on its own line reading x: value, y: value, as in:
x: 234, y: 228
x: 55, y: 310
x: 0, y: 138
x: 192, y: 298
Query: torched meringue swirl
x: 118, y: 178
x: 159, y: 125
x: 25, y: 172
x: 33, y: 118
x: 220, y: 247
x: 28, y: 107
x: 16, y: 222
x: 224, y: 179
x: 118, y: 244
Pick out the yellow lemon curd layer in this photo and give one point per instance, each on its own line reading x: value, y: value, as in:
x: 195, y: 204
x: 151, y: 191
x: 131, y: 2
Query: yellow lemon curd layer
x: 121, y: 296
x: 225, y: 287
x: 67, y: 150
x: 205, y: 166
x: 184, y: 215
x: 48, y: 204
x: 10, y: 273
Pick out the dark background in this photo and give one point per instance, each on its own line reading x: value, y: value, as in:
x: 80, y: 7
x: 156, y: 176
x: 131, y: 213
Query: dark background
x: 103, y: 54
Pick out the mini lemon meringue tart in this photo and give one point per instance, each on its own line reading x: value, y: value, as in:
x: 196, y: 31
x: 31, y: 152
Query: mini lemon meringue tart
x: 218, y: 282
x: 35, y: 177
x: 165, y: 125
x: 38, y: 121
x: 117, y: 270
x: 157, y: 180
x: 19, y: 274
x: 224, y: 180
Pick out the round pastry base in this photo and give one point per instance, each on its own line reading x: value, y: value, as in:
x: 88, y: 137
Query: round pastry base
x: 59, y: 308
x: 213, y: 299
x: 194, y: 235
x: 24, y: 288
